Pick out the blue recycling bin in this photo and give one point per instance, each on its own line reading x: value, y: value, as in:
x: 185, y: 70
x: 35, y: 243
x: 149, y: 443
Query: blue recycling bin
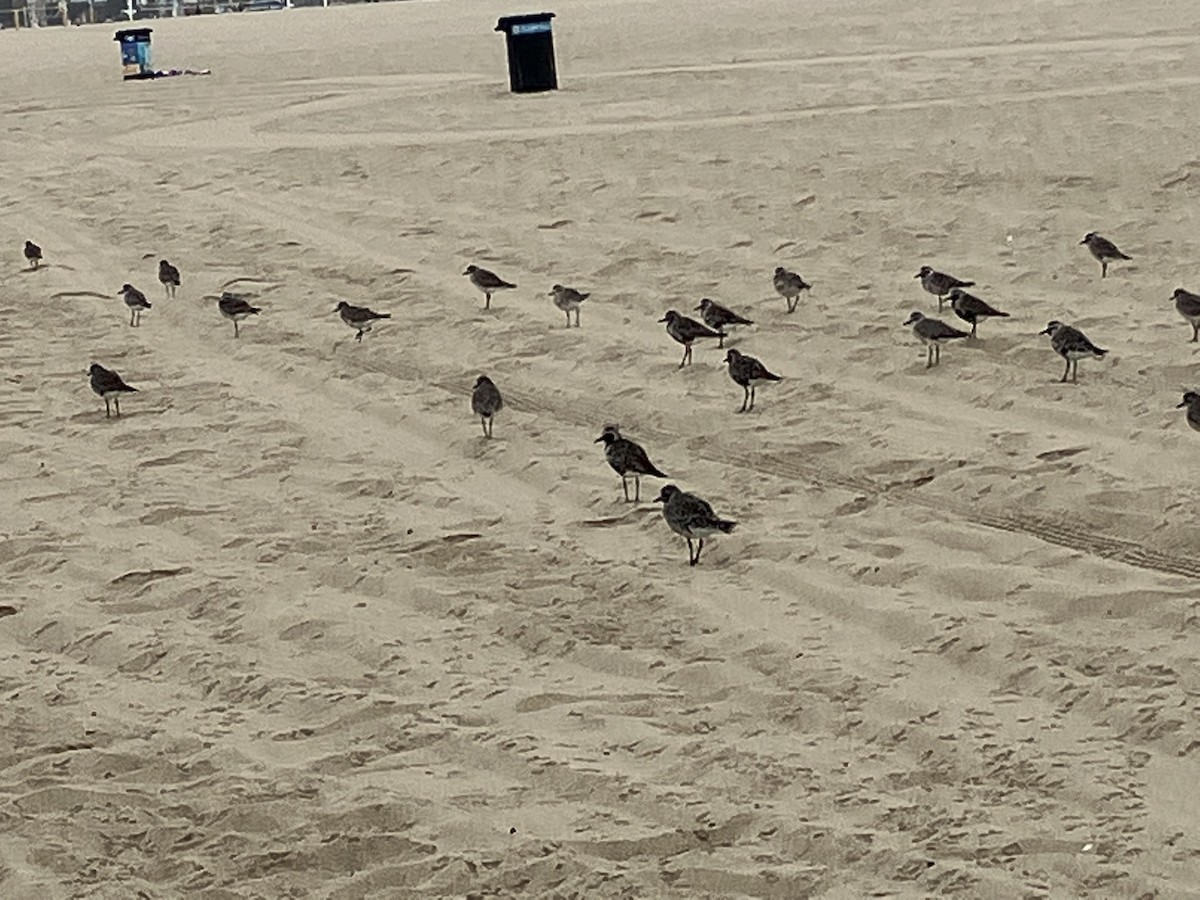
x: 530, y: 52
x: 135, y: 53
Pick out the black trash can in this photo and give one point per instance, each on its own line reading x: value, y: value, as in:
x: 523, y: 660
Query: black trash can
x: 530, y: 52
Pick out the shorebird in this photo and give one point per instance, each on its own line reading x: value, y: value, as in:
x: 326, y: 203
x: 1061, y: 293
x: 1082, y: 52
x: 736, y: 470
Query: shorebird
x: 971, y: 309
x: 359, y: 317
x: 686, y: 331
x: 1192, y: 401
x: 136, y: 301
x: 1187, y: 305
x: 168, y: 277
x: 789, y: 285
x: 486, y: 402
x: 932, y: 333
x: 1072, y: 345
x: 109, y: 385
x: 33, y: 254
x: 568, y: 300
x: 235, y: 309
x: 719, y: 318
x: 747, y: 371
x: 1103, y: 249
x: 692, y: 517
x: 627, y: 458
x: 488, y: 282
x: 939, y: 283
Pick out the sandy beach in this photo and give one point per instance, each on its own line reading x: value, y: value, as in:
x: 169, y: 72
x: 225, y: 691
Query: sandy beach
x: 292, y: 627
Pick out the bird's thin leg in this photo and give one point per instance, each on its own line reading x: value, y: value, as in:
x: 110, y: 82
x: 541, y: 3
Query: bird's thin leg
x: 792, y: 301
x: 929, y: 356
x: 941, y: 300
x: 1066, y: 371
x: 937, y: 354
x: 358, y: 337
x: 751, y: 407
x: 1195, y: 332
x: 637, y: 488
x: 721, y: 341
x: 974, y: 325
x: 625, y: 487
x: 699, y: 550
x: 107, y: 410
x: 487, y: 302
x: 745, y: 398
x: 691, y: 552
x: 1075, y: 371
x: 683, y: 362
x: 117, y: 404
x: 235, y: 328
x: 577, y: 318
x: 1103, y: 269
x: 568, y: 315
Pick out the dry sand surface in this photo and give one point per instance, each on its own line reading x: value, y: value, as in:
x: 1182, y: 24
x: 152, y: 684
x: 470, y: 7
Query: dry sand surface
x: 292, y: 627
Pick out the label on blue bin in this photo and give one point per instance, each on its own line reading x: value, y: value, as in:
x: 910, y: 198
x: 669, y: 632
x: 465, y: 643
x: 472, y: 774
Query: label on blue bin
x: 531, y: 28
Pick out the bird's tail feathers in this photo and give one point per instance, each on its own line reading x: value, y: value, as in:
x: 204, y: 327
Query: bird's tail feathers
x: 726, y: 526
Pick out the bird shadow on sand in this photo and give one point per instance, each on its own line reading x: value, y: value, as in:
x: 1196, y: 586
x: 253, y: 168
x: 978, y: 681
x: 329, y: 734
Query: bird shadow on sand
x: 44, y: 266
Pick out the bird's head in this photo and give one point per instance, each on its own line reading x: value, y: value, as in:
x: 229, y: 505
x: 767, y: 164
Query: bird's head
x: 779, y: 270
x: 608, y: 434
x: 914, y: 318
x: 471, y: 270
x: 1178, y: 291
x: 125, y: 289
x: 665, y: 495
x: 1051, y: 328
x: 482, y: 380
x: 94, y: 369
x: 704, y: 304
x: 670, y: 316
x: 1189, y: 397
x: 556, y: 290
x: 342, y: 304
x: 732, y: 356
x: 1088, y: 238
x: 925, y: 270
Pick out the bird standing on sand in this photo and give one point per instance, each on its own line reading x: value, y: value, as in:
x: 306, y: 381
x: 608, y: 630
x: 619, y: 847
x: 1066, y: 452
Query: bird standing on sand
x: 686, y: 331
x: 235, y: 309
x: 109, y: 385
x: 360, y: 318
x: 168, y: 277
x: 1192, y: 401
x: 486, y: 402
x: 1187, y: 305
x: 33, y: 254
x: 971, y: 309
x: 627, y: 458
x: 747, y: 371
x: 1104, y: 250
x: 488, y: 282
x: 939, y: 283
x: 692, y: 517
x: 136, y: 301
x: 719, y: 318
x: 789, y: 285
x: 1072, y: 345
x: 568, y: 300
x: 932, y: 333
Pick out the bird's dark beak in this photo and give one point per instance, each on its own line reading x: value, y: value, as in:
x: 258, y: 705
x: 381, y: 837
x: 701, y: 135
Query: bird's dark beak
x: 698, y: 308
x: 1084, y: 241
x: 663, y: 319
x: 1044, y: 331
x: 598, y: 440
x: 1181, y: 405
x: 465, y: 272
x: 918, y: 275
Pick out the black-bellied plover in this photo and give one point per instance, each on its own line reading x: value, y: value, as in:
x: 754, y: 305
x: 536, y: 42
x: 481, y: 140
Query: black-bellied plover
x: 628, y: 459
x: 686, y: 331
x: 692, y: 517
x: 939, y: 283
x: 971, y: 309
x: 488, y: 282
x: 33, y: 254
x: 1072, y: 345
x: 568, y: 300
x: 360, y: 318
x: 932, y: 333
x: 136, y: 301
x: 1192, y: 401
x: 789, y: 285
x: 235, y: 309
x: 747, y: 371
x: 720, y: 317
x: 1104, y: 250
x: 1187, y: 305
x: 486, y: 402
x: 168, y: 277
x: 109, y: 385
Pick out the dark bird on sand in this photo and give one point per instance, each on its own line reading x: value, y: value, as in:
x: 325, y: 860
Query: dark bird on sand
x: 168, y: 277
x: 109, y: 385
x: 939, y: 283
x: 1104, y: 250
x: 692, y: 517
x: 686, y: 331
x: 486, y: 402
x: 360, y: 318
x: 136, y: 301
x: 235, y: 309
x: 747, y: 371
x: 33, y: 254
x: 971, y: 309
x: 628, y: 459
x: 488, y: 282
x: 1072, y: 345
x: 719, y: 318
x: 932, y: 333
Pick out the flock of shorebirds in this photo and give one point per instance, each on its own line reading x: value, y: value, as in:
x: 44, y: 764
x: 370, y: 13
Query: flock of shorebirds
x: 687, y: 514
